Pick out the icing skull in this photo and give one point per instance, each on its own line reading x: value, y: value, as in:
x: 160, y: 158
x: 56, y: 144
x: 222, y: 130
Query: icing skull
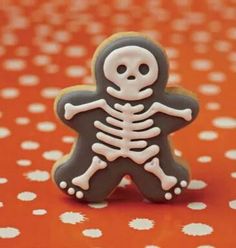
x: 131, y: 68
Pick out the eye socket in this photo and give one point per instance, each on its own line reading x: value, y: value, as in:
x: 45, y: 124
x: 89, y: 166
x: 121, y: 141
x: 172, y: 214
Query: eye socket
x: 121, y: 69
x: 143, y: 69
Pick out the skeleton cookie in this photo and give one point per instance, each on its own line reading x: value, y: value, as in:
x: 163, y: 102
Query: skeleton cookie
x: 124, y: 124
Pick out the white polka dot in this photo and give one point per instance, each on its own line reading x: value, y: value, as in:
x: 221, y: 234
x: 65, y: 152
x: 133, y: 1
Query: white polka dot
x: 41, y: 60
x: 75, y: 71
x: 222, y: 46
x: 1, y: 204
x: 14, y: 64
x: 224, y: 122
x: 9, y: 93
x: 72, y: 218
x: 208, y: 135
x: 4, y: 132
x: 232, y: 204
x: 205, y: 246
x: 75, y: 51
x: 29, y: 145
x: 209, y: 89
x: 172, y: 52
x: 231, y: 32
x: 212, y: 106
x: 141, y: 224
x: 52, y: 155
x: 177, y: 152
x: 50, y: 47
x: 62, y: 36
x: 202, y: 64
x: 37, y: 175
x: 231, y: 154
x: 36, y: 108
x: 201, y: 36
x: 46, y: 126
x: 204, y: 159
x: 197, y: 205
x: 124, y: 182
x: 174, y: 78
x: 9, y: 232
x: 29, y: 80
x: 216, y: 76
x: 68, y: 139
x: 197, y: 229
x: 22, y: 120
x: 50, y: 92
x: 2, y: 50
x: 197, y: 184
x: 233, y: 174
x: 3, y: 180
x: 26, y: 196
x: 232, y: 56
x: 92, y: 233
x: 24, y: 162
x: 39, y: 212
x: 98, y: 205
x: 9, y: 39
x: 22, y: 51
x: 52, y: 68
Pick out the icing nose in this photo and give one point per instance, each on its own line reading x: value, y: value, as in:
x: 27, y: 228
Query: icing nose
x: 131, y: 77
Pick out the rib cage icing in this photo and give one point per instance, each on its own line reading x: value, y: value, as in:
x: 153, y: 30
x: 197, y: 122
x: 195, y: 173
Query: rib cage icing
x: 128, y: 134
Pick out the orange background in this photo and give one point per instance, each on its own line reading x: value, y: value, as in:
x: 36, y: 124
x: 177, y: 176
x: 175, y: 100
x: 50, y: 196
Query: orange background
x: 48, y: 45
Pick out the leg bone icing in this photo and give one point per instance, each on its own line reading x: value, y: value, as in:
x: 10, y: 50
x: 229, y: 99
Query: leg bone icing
x: 167, y: 182
x: 83, y: 180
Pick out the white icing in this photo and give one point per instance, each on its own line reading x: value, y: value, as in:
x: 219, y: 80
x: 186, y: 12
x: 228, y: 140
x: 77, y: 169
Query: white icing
x: 168, y: 196
x: 79, y: 194
x: 82, y: 181
x: 159, y: 107
x: 131, y: 57
x: 63, y: 184
x: 167, y: 182
x: 183, y: 184
x: 129, y: 134
x: 177, y: 191
x: 71, y: 191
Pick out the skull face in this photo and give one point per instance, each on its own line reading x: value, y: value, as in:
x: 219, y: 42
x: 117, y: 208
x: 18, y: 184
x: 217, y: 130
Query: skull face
x: 131, y: 68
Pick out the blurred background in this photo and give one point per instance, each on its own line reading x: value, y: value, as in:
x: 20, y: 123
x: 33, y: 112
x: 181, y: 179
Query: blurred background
x: 48, y: 45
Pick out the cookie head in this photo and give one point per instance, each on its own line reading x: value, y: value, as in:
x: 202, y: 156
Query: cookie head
x: 131, y: 69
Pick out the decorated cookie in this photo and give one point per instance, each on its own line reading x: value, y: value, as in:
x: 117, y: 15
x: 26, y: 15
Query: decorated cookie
x: 123, y: 124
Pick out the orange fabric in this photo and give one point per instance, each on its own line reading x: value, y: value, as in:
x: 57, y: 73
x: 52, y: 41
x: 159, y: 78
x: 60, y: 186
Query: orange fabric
x: 48, y: 45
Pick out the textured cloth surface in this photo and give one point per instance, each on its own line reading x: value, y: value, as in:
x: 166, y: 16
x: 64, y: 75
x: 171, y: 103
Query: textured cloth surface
x: 48, y: 45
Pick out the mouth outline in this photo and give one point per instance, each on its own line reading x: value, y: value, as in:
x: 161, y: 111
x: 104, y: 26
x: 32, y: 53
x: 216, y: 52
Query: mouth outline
x: 131, y: 77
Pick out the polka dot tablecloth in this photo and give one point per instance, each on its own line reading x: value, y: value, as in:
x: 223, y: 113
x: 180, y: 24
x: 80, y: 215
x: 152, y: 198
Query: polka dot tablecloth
x: 46, y: 46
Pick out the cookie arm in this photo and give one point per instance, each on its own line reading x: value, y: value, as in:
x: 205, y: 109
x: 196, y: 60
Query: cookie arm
x: 182, y: 102
x: 72, y: 110
x: 75, y: 98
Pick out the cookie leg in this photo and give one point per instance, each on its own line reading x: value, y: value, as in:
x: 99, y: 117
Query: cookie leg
x: 93, y: 185
x: 159, y: 186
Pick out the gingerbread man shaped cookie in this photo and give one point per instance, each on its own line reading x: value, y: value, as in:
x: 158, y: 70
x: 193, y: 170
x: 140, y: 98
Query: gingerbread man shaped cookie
x: 124, y: 124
